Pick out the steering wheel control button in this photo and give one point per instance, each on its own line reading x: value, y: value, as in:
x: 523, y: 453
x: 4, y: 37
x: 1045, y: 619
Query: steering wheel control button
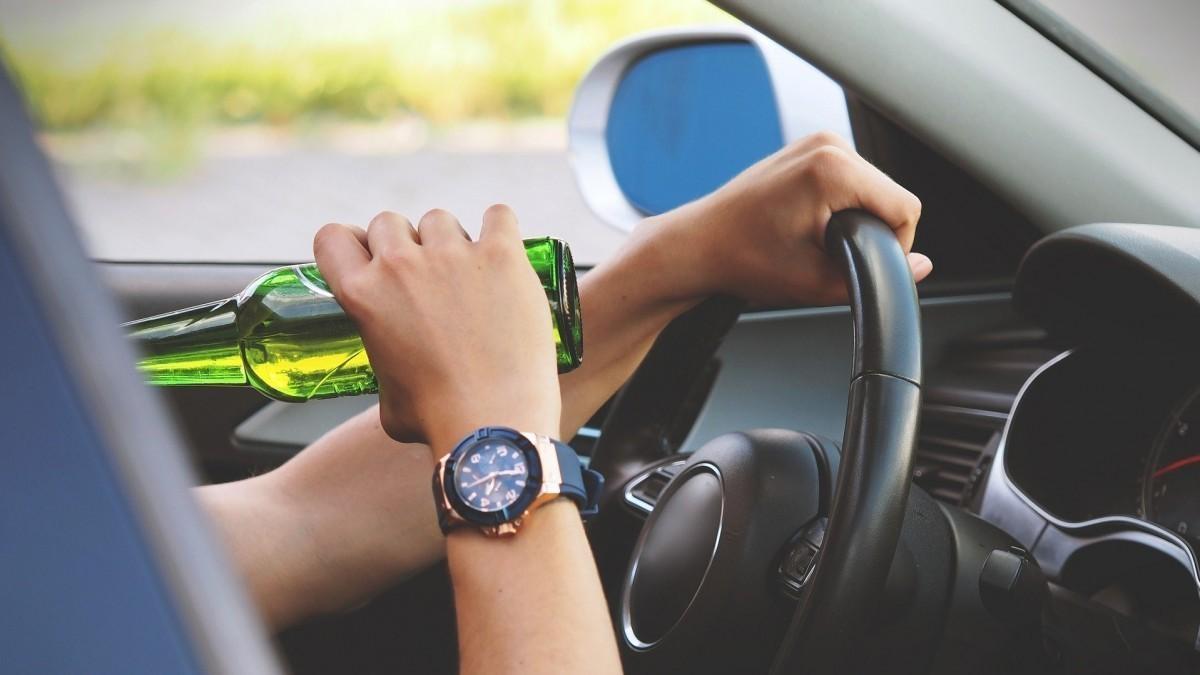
x: 800, y: 557
x: 674, y: 561
x: 1012, y: 586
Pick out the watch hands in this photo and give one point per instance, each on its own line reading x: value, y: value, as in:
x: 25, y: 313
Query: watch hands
x: 494, y: 474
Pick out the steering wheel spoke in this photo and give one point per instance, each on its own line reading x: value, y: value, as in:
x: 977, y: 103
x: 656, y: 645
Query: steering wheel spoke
x: 742, y: 521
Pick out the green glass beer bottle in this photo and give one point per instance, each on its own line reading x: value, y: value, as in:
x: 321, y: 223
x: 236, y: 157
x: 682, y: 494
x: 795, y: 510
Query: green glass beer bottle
x: 287, y: 337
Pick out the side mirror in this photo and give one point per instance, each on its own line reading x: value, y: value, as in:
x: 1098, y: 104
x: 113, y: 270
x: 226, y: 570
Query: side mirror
x: 669, y: 116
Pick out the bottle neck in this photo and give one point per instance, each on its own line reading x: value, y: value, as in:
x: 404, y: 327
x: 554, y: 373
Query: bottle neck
x: 197, y: 345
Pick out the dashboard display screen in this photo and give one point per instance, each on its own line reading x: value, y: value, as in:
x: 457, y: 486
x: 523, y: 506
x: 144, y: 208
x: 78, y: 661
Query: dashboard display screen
x: 1171, y: 485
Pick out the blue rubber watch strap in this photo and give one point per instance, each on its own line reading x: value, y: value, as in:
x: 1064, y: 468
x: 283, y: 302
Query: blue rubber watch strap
x: 581, y: 485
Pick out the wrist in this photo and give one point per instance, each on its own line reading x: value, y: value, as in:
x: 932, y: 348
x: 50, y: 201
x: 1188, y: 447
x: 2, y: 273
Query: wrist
x: 445, y: 432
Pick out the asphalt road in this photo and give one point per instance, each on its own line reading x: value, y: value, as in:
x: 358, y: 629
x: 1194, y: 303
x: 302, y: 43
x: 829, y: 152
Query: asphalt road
x: 266, y: 208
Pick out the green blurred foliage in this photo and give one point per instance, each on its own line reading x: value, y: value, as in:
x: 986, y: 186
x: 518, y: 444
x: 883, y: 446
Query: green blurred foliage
x: 443, y: 62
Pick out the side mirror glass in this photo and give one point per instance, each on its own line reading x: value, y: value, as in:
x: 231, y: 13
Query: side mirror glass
x: 686, y: 119
x: 669, y: 116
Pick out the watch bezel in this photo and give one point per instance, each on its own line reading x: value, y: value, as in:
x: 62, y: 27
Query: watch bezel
x: 512, y: 512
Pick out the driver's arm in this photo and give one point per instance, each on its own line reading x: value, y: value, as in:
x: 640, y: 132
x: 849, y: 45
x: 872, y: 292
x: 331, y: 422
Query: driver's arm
x: 352, y: 513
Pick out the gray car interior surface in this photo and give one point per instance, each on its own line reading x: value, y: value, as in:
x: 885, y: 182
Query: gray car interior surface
x: 995, y: 96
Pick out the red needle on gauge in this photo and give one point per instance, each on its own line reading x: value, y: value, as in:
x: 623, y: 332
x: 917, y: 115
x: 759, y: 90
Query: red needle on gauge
x: 1177, y: 464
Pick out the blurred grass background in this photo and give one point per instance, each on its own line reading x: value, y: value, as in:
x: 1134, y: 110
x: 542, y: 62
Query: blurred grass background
x: 229, y: 129
x: 445, y: 62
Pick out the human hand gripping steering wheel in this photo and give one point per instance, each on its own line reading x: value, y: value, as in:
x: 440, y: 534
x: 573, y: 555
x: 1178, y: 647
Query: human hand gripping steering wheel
x: 700, y: 577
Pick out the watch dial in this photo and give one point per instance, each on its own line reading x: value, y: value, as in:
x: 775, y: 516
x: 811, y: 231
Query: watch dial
x: 491, y: 476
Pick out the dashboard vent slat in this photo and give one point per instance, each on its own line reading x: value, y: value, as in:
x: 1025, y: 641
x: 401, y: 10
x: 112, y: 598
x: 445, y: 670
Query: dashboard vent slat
x: 952, y: 451
x: 967, y: 397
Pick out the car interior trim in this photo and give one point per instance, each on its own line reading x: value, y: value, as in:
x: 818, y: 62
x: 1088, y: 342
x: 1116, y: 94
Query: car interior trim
x: 1071, y: 40
x: 1000, y: 481
x: 1087, y: 153
x: 626, y: 619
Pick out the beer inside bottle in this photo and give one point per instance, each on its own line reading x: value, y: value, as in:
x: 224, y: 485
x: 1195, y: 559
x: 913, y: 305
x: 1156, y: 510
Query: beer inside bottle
x: 286, y: 336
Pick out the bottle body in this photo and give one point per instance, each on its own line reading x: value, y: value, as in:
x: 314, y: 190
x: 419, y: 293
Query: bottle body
x: 286, y: 336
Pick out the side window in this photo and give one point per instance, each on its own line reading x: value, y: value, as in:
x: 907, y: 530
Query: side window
x: 975, y: 238
x: 230, y: 131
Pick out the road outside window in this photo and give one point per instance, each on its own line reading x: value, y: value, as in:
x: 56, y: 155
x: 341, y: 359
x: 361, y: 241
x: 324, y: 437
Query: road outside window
x: 230, y: 131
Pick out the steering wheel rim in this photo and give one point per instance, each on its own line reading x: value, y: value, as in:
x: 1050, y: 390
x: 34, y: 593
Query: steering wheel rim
x: 877, y: 447
x: 841, y: 593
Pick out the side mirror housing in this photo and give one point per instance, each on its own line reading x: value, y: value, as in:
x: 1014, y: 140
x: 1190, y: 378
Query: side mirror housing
x: 669, y: 116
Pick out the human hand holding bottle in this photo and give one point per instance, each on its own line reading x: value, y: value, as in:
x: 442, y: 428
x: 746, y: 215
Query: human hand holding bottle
x: 459, y: 337
x: 457, y: 331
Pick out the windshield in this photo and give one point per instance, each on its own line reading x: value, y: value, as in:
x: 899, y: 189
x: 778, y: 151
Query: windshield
x: 1149, y: 47
x: 228, y: 130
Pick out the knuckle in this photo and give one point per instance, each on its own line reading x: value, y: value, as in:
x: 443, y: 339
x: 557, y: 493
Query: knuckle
x: 436, y: 217
x: 826, y: 137
x: 388, y: 218
x: 915, y: 208
x: 830, y: 156
x: 499, y: 211
x: 825, y: 165
x: 321, y: 238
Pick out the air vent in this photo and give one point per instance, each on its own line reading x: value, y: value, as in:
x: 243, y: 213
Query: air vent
x: 954, y: 449
x: 967, y: 398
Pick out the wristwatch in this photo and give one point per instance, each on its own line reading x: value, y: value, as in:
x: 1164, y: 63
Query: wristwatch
x: 496, y: 476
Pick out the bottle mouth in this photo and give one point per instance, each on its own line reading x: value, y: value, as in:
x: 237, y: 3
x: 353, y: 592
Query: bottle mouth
x: 570, y: 318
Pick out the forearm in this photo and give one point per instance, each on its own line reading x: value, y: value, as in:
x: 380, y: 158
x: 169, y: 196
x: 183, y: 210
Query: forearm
x: 338, y: 523
x: 266, y: 543
x: 531, y: 603
x: 314, y: 536
x: 626, y: 302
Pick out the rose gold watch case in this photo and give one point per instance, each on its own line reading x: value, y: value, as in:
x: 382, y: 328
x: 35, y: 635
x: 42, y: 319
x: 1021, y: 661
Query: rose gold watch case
x: 551, y: 489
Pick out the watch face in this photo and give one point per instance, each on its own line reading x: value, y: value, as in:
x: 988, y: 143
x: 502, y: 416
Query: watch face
x: 491, y: 475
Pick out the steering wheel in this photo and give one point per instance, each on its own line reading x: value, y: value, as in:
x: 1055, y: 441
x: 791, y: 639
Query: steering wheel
x: 747, y: 562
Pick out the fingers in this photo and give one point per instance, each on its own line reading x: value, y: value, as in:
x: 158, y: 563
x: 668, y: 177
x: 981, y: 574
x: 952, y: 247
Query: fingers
x: 438, y: 227
x: 359, y: 234
x: 339, y: 251
x: 848, y: 181
x: 893, y: 204
x: 499, y: 223
x: 920, y: 264
x: 389, y: 233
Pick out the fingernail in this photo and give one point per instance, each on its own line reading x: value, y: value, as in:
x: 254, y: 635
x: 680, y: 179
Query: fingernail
x: 921, y: 264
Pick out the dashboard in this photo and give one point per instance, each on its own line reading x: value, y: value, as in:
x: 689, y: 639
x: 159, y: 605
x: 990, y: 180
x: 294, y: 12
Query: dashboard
x: 1097, y: 475
x: 1112, y: 431
x: 1097, y: 470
